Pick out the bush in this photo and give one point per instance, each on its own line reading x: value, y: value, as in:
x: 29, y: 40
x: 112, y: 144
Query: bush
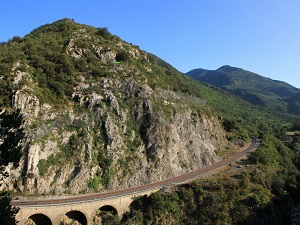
x: 44, y: 164
x: 103, y: 32
x: 122, y: 56
x: 94, y: 183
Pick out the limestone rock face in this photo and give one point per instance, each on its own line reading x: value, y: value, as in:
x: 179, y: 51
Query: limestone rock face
x: 28, y: 103
x: 174, y: 146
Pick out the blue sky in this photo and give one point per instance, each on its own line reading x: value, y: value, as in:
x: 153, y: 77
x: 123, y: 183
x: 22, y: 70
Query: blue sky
x: 262, y: 36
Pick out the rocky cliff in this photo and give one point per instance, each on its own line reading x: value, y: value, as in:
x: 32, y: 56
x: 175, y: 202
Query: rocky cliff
x: 119, y: 124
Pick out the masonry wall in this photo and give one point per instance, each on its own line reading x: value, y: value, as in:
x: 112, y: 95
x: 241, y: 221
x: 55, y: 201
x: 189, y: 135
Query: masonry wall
x: 89, y: 209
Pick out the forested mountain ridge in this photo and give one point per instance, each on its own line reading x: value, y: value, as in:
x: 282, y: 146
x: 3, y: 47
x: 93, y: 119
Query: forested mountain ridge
x: 258, y: 90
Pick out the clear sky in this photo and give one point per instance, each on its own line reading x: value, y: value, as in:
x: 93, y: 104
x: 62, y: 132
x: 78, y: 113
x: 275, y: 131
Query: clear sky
x: 262, y: 36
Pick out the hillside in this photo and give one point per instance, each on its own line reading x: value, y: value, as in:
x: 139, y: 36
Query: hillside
x: 294, y: 104
x: 99, y: 113
x: 258, y: 90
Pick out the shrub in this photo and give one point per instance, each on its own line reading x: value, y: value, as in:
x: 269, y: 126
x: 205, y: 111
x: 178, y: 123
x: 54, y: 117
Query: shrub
x: 94, y: 183
x: 122, y: 56
x: 103, y: 32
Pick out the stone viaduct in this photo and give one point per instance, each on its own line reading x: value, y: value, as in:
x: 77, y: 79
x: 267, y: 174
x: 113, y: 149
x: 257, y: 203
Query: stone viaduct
x: 84, y: 211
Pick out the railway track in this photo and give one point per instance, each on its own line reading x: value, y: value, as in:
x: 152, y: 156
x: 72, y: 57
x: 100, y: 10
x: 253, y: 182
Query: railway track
x: 131, y: 191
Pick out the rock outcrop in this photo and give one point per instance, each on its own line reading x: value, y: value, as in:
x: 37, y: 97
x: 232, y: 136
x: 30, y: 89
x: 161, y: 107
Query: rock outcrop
x: 149, y: 137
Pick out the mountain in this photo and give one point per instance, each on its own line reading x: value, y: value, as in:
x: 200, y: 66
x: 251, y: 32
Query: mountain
x: 99, y: 113
x: 258, y: 90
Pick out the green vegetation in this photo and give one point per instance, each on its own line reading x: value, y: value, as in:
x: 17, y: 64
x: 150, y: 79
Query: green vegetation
x: 122, y: 56
x: 105, y: 164
x: 7, y: 212
x: 94, y: 183
x: 72, y: 148
x: 44, y: 51
x: 107, y: 218
x: 68, y: 152
x: 247, y: 117
x: 267, y: 192
x: 44, y: 164
x: 11, y: 135
x: 273, y: 95
x: 294, y: 104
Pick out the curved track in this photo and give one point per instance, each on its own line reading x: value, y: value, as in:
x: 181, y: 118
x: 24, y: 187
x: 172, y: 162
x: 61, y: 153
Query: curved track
x: 118, y: 193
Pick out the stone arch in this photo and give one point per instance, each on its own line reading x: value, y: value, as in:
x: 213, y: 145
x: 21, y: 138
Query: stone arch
x: 109, y: 208
x: 39, y: 219
x: 106, y: 214
x: 72, y: 216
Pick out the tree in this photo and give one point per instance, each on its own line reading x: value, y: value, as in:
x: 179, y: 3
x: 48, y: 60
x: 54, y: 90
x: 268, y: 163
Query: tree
x: 122, y: 55
x: 7, y: 211
x: 103, y: 32
x: 11, y: 135
x: 296, y: 216
x: 229, y: 125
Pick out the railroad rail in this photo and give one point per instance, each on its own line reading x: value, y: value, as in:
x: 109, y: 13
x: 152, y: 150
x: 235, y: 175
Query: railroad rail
x: 135, y: 190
